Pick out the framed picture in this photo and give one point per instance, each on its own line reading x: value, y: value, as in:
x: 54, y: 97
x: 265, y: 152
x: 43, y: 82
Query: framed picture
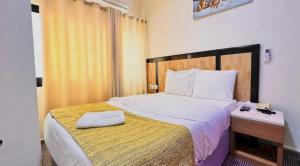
x: 202, y: 8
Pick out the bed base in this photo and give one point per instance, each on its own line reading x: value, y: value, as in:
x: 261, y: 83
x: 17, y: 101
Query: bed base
x: 220, y: 153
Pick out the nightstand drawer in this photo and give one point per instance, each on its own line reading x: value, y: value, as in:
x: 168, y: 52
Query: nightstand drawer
x: 261, y: 130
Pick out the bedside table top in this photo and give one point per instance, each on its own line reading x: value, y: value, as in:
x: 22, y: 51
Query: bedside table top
x: 253, y: 114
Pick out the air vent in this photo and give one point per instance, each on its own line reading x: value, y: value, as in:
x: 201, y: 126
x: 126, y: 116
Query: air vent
x: 122, y: 5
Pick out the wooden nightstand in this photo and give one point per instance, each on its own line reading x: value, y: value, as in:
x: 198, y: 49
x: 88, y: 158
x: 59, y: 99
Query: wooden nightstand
x: 259, y: 125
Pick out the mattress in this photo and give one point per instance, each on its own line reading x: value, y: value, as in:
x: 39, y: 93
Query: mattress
x: 205, y: 119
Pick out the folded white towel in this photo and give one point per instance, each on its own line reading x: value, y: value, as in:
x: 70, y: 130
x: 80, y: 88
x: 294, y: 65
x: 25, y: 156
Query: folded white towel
x: 101, y: 119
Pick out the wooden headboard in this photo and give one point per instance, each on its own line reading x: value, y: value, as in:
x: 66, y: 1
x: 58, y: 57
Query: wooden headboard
x: 243, y: 59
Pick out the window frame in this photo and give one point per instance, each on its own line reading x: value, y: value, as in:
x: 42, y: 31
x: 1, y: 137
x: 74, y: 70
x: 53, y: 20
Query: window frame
x: 36, y: 9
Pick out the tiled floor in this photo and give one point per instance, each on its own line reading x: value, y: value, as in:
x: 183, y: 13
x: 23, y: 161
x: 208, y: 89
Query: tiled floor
x: 290, y: 159
x: 47, y: 160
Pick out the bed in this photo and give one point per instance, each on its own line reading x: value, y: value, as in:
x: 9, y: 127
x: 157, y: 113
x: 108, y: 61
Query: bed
x: 207, y: 120
x: 212, y: 123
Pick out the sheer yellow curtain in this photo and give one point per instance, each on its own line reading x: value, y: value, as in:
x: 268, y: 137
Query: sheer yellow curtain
x: 131, y: 50
x: 77, y: 53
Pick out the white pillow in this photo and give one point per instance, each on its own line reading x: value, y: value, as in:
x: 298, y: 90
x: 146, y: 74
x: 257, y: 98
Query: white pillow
x: 215, y: 85
x: 180, y: 82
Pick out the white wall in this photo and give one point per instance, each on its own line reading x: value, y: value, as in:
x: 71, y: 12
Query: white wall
x: 18, y: 103
x: 273, y: 24
x: 135, y: 8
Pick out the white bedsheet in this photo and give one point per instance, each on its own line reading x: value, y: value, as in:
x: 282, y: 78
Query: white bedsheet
x: 206, y: 120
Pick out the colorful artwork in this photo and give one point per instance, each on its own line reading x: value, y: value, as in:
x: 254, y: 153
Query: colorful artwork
x: 203, y: 8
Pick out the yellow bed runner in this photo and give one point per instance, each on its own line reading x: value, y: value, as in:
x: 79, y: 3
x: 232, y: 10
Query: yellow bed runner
x: 140, y: 141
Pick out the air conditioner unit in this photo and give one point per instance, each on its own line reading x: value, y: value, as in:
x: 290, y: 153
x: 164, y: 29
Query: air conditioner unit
x: 122, y: 5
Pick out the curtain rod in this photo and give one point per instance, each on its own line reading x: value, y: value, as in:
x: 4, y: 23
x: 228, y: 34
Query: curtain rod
x: 132, y: 17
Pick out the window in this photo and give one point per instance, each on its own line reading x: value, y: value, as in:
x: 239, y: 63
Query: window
x: 37, y: 41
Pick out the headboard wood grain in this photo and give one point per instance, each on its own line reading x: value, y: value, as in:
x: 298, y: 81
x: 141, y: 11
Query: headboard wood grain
x: 151, y: 74
x: 242, y: 64
x: 243, y: 59
x: 205, y: 63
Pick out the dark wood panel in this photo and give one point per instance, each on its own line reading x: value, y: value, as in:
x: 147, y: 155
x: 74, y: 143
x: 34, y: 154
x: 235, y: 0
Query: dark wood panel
x: 223, y: 51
